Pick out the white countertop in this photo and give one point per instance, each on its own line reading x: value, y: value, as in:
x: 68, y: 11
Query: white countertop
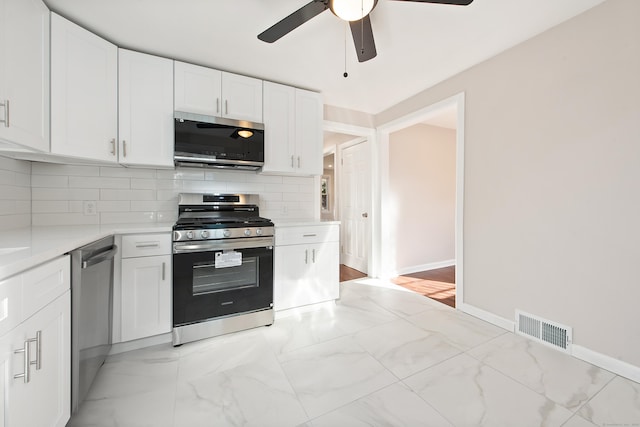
x: 24, y: 248
x: 297, y: 222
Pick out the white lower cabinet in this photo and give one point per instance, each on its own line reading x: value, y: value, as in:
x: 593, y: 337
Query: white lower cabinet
x: 146, y: 279
x: 35, y: 356
x: 306, y: 265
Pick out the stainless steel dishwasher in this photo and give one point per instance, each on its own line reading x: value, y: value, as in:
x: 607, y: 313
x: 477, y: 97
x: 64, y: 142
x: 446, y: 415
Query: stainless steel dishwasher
x: 91, y: 313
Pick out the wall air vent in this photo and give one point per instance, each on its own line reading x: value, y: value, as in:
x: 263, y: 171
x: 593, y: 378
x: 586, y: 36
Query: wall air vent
x: 550, y: 333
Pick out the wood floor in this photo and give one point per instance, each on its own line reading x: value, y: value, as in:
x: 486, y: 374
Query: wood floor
x: 439, y: 284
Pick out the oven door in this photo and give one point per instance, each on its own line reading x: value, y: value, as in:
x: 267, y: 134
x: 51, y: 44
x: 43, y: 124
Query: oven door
x: 221, y: 278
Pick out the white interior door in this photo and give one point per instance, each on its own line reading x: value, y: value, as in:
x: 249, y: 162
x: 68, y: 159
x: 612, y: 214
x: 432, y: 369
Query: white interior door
x: 355, y: 205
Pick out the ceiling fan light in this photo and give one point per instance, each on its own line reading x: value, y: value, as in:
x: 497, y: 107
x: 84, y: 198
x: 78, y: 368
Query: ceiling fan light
x: 351, y: 10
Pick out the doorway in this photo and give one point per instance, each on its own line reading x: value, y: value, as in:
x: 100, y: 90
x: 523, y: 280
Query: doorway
x: 349, y: 150
x: 454, y: 108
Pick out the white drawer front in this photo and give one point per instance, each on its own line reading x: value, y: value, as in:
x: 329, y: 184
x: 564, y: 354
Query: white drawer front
x: 307, y: 234
x: 138, y: 245
x: 44, y: 283
x: 10, y: 303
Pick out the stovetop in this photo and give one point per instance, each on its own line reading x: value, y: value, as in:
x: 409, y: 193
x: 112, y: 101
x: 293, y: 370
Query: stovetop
x: 211, y: 217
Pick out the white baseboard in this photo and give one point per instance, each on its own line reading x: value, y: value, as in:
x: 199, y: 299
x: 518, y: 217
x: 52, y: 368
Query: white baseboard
x: 609, y: 363
x: 600, y: 360
x: 488, y: 317
x: 425, y: 267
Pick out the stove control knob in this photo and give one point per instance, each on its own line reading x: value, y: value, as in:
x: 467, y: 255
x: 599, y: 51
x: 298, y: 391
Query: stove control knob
x: 259, y: 232
x: 204, y: 234
x: 247, y: 232
x: 189, y: 234
x: 226, y: 233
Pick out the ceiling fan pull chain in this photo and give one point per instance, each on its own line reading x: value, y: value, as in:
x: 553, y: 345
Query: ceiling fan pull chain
x: 346, y: 29
x: 362, y: 29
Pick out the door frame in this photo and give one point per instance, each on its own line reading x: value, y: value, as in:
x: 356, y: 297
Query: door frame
x: 366, y: 136
x: 383, y: 135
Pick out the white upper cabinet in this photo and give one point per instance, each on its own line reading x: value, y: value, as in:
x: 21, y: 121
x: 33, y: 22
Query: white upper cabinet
x: 242, y: 97
x: 197, y: 89
x: 24, y: 73
x: 293, y: 130
x: 210, y: 92
x: 309, y: 133
x: 145, y: 113
x: 84, y: 93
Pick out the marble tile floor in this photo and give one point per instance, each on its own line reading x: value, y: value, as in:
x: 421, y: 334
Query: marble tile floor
x: 380, y: 356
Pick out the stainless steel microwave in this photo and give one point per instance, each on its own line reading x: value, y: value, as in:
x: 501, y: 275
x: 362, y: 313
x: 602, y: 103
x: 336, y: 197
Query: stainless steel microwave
x: 215, y: 142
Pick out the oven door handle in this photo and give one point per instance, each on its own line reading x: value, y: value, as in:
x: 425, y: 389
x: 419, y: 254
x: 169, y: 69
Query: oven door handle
x: 218, y: 245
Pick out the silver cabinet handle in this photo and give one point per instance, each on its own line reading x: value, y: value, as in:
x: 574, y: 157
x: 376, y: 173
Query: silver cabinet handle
x: 298, y: 162
x: 309, y: 235
x: 147, y: 245
x: 365, y: 215
x: 113, y: 146
x: 27, y: 362
x: 306, y: 256
x: 226, y: 106
x: 313, y: 255
x: 124, y: 148
x: 217, y: 105
x: 163, y: 270
x: 26, y: 374
x: 38, y: 340
x: 292, y: 161
x: 5, y: 104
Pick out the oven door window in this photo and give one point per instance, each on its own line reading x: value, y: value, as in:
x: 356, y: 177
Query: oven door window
x: 208, y: 279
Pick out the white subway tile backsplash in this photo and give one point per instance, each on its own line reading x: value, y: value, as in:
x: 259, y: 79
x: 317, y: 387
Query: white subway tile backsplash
x: 39, y: 219
x: 64, y: 194
x: 69, y: 170
x: 127, y: 172
x: 50, y: 181
x: 98, y: 182
x: 114, y: 206
x: 144, y: 184
x: 11, y: 222
x: 54, y: 194
x: 108, y: 194
x: 127, y: 217
x: 50, y: 206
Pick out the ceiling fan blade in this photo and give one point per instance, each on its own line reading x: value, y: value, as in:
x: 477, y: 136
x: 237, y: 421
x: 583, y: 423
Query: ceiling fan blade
x: 455, y: 2
x: 293, y: 21
x: 363, y: 39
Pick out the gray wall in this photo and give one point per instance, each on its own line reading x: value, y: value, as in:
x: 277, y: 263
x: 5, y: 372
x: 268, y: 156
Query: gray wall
x: 552, y: 177
x: 422, y: 184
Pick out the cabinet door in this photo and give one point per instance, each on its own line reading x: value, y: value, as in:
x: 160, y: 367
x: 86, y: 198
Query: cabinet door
x: 279, y: 128
x: 146, y: 296
x: 324, y: 278
x: 309, y: 133
x: 197, y: 89
x: 291, y: 267
x: 84, y: 92
x: 145, y: 114
x: 45, y: 399
x: 24, y: 73
x: 242, y: 97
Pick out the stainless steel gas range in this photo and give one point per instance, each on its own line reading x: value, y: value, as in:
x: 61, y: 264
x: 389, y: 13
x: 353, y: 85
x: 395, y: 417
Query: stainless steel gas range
x: 222, y: 266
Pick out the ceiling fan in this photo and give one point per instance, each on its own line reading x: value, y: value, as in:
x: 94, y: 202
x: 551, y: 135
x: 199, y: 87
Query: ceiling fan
x: 354, y: 11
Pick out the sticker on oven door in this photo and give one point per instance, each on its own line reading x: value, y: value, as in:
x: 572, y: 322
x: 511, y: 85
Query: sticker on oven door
x: 228, y: 259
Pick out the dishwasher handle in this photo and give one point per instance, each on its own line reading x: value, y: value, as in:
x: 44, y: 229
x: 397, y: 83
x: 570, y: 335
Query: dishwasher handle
x: 102, y: 256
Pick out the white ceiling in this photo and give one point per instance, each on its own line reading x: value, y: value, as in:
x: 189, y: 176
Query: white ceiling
x: 419, y: 44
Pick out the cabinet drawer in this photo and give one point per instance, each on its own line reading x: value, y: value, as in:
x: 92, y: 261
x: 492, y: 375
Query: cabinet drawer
x: 45, y: 283
x: 307, y: 234
x: 137, y: 245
